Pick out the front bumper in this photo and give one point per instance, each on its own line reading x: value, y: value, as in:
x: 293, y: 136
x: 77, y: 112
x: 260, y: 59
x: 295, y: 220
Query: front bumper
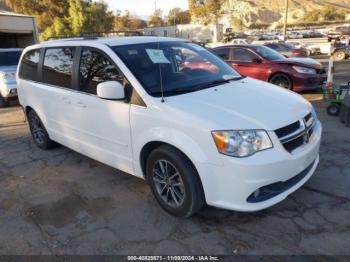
x: 230, y: 185
x: 304, y: 82
x: 8, y: 90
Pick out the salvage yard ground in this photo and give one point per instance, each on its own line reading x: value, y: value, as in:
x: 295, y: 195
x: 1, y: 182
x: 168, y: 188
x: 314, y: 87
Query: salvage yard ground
x: 61, y: 202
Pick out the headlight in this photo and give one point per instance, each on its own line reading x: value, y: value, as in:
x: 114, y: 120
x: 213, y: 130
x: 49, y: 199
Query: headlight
x: 304, y: 70
x: 241, y: 143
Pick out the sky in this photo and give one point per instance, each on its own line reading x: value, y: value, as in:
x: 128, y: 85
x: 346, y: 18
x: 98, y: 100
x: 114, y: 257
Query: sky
x: 146, y: 7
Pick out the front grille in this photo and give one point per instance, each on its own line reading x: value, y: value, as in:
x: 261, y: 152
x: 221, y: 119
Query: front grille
x: 296, y: 134
x: 267, y: 192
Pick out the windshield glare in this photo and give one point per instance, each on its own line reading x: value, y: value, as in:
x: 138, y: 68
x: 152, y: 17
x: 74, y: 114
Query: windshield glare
x: 268, y: 53
x: 9, y: 58
x: 178, y: 66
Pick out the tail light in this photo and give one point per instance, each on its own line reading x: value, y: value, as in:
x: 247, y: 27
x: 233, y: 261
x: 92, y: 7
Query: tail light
x: 296, y: 52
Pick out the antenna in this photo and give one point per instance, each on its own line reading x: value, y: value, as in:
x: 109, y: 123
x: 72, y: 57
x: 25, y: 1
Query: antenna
x: 160, y: 76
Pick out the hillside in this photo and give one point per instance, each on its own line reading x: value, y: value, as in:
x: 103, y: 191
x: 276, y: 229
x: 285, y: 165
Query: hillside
x: 271, y: 11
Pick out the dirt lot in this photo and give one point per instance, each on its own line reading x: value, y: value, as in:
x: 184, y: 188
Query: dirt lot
x: 60, y: 202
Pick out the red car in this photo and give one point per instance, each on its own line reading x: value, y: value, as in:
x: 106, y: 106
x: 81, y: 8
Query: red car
x: 263, y: 63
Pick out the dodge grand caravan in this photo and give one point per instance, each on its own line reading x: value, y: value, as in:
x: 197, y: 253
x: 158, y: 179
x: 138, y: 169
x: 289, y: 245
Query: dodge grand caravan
x: 199, y: 135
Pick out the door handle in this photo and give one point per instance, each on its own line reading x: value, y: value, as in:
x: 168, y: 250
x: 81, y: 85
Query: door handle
x: 81, y: 104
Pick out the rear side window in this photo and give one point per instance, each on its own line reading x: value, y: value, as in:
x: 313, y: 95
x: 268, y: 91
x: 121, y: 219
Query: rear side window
x: 223, y: 53
x: 29, y: 65
x: 95, y: 68
x: 58, y: 66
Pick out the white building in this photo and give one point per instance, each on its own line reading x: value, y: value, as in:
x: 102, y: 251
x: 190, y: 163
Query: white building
x: 195, y: 32
x: 17, y: 30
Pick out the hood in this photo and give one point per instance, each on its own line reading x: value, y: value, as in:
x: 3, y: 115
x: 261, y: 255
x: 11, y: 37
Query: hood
x: 244, y: 104
x: 302, y: 61
x: 8, y: 68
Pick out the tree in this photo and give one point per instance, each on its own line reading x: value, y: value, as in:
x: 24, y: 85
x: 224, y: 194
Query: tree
x: 177, y: 16
x: 237, y: 24
x: 123, y: 22
x: 137, y: 24
x: 76, y: 16
x: 208, y: 11
x: 156, y: 19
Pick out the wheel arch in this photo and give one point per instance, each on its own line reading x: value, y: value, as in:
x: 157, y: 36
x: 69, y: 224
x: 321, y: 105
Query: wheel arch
x: 151, y: 146
x: 282, y: 73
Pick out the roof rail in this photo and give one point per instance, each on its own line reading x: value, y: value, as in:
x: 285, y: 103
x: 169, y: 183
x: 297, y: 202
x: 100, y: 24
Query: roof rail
x: 96, y: 35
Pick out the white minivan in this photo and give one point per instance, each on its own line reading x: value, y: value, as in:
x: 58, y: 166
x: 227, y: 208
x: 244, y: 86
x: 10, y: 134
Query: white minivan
x: 171, y: 112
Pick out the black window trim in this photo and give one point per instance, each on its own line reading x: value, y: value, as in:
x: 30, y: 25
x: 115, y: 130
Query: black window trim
x: 41, y: 66
x: 133, y: 98
x: 38, y: 72
x: 131, y: 93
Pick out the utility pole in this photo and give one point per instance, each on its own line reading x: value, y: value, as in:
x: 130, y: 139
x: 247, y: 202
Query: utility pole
x: 285, y: 21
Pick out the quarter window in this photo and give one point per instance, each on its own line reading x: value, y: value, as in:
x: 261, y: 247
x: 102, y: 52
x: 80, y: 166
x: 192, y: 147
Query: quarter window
x: 29, y: 65
x: 58, y: 66
x: 95, y: 68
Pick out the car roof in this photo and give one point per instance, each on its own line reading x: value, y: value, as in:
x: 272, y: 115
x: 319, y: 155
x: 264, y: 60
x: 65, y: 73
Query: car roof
x: 11, y: 49
x: 242, y: 45
x: 110, y: 41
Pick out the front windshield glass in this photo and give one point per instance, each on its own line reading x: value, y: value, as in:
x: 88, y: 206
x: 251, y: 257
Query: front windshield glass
x: 268, y: 53
x: 180, y: 67
x: 9, y: 58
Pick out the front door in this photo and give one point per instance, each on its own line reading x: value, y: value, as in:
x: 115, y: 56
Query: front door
x: 248, y: 63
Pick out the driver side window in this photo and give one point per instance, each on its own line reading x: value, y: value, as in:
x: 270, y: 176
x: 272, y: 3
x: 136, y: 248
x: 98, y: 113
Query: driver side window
x: 94, y: 69
x: 242, y: 54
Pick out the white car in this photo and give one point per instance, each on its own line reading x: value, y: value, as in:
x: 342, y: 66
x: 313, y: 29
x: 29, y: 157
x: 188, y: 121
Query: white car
x: 171, y: 112
x: 9, y: 58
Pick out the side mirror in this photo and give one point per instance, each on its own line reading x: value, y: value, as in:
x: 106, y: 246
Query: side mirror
x: 257, y: 60
x: 112, y: 90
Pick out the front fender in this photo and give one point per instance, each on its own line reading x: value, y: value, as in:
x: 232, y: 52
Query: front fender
x: 200, y: 151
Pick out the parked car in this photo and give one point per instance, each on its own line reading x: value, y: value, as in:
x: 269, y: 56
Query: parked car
x: 294, y: 35
x: 337, y: 33
x: 263, y: 63
x: 9, y: 59
x: 311, y: 48
x: 197, y: 136
x: 287, y: 49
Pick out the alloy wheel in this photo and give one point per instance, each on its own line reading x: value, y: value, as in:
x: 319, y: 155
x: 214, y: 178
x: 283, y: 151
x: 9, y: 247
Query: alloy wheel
x: 37, y: 129
x: 168, y: 183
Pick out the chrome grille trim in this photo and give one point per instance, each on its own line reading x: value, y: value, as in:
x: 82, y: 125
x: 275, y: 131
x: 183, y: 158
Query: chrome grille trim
x: 293, y: 140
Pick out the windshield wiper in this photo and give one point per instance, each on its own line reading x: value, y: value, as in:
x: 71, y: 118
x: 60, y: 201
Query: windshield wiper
x: 198, y: 87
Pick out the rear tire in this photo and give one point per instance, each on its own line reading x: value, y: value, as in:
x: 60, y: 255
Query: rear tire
x: 40, y: 136
x: 282, y: 80
x: 333, y: 109
x: 174, y: 182
x: 339, y: 55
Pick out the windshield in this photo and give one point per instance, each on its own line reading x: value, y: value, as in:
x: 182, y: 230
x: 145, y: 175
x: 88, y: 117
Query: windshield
x: 268, y: 53
x: 179, y: 67
x: 9, y: 58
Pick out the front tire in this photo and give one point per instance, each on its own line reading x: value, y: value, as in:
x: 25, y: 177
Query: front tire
x: 174, y: 182
x: 333, y: 109
x: 282, y: 80
x: 339, y: 55
x: 40, y: 136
